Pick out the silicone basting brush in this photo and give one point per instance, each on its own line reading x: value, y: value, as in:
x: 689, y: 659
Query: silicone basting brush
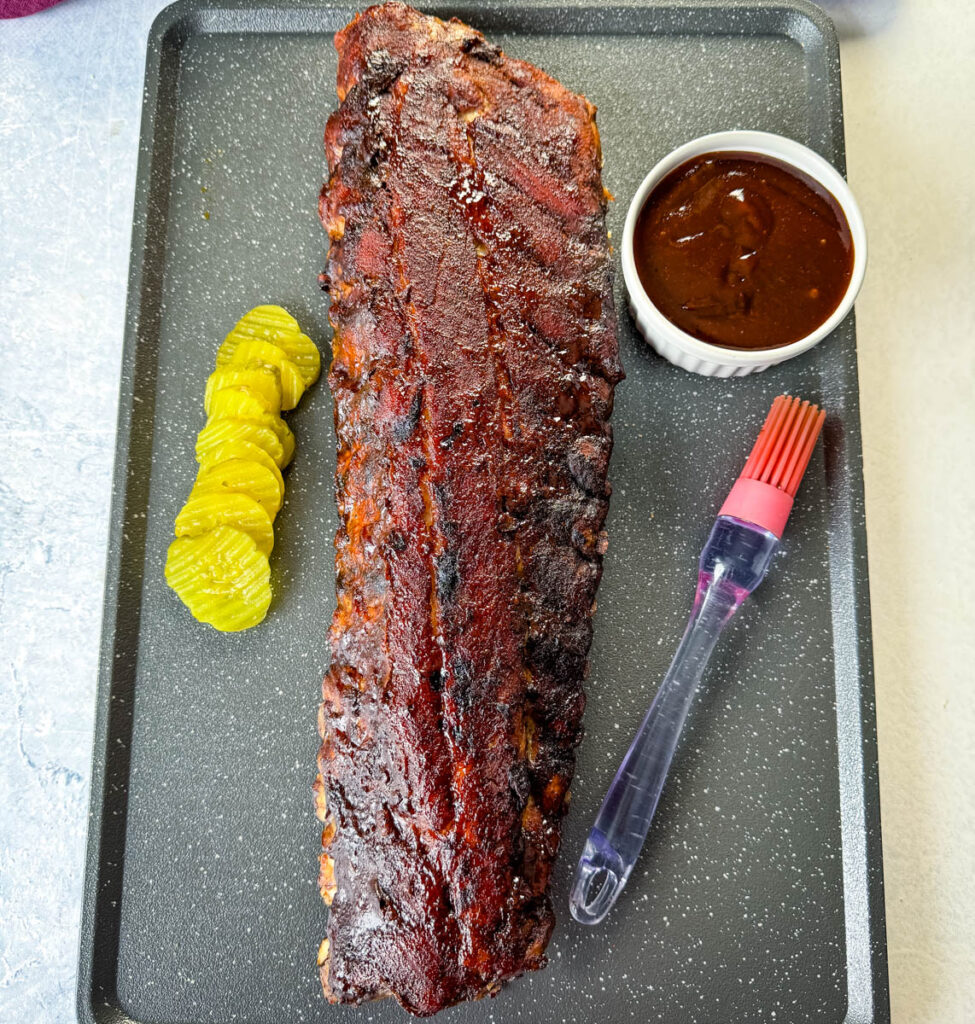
x: 733, y: 563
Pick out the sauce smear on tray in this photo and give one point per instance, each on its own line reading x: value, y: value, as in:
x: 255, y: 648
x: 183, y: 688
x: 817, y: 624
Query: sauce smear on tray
x: 742, y: 251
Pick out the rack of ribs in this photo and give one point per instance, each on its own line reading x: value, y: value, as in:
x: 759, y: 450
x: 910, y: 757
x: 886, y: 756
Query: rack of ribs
x: 474, y: 361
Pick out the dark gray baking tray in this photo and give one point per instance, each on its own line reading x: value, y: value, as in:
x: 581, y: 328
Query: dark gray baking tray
x: 759, y: 895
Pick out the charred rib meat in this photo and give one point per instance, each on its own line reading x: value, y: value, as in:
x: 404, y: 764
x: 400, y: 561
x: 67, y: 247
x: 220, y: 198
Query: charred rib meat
x: 474, y: 360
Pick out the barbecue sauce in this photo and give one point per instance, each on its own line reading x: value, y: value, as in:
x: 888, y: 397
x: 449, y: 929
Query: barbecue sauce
x: 742, y: 251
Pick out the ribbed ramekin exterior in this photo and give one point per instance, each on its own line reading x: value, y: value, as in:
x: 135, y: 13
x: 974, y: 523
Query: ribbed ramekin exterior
x: 673, y: 353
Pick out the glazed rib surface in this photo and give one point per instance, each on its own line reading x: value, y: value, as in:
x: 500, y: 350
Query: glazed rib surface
x: 474, y: 360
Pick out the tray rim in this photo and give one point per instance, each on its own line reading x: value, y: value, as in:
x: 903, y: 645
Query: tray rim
x: 856, y: 742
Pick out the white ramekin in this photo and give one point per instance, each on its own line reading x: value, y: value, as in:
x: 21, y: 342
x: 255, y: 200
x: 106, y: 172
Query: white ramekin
x: 681, y: 348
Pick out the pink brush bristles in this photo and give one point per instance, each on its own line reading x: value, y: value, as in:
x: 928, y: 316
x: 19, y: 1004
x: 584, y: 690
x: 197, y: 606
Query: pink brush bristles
x: 764, y: 492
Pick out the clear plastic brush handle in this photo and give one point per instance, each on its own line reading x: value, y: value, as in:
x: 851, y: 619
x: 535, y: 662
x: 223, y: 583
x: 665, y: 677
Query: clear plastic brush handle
x: 733, y: 563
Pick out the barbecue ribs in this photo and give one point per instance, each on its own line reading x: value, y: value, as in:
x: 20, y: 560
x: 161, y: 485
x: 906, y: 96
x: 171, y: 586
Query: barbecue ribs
x: 474, y: 360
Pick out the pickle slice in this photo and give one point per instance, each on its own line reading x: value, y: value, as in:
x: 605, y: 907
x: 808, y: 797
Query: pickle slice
x: 221, y: 577
x: 236, y: 404
x: 248, y: 453
x: 284, y: 435
x: 250, y: 353
x: 278, y: 326
x: 205, y: 512
x: 260, y: 382
x: 217, y: 433
x: 241, y: 476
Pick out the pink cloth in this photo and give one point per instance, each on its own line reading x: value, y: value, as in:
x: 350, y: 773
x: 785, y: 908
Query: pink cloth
x: 18, y: 8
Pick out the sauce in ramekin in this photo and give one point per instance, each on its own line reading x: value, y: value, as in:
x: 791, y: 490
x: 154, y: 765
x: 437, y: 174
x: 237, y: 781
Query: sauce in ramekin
x: 743, y: 251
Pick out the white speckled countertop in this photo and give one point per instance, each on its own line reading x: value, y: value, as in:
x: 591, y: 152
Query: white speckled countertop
x: 70, y: 96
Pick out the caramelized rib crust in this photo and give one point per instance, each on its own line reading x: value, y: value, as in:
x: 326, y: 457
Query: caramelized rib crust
x: 474, y: 360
